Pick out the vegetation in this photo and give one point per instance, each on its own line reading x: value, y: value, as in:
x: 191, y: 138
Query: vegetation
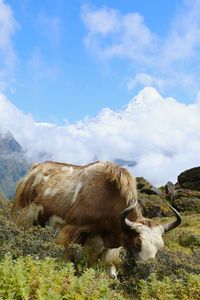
x: 28, y: 278
x: 33, y: 267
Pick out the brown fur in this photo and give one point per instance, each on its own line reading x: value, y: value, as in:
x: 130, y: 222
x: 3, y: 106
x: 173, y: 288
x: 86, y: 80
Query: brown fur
x: 101, y: 190
x: 125, y: 182
x: 55, y: 222
x: 29, y: 215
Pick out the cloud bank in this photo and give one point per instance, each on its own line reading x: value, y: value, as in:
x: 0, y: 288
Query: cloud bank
x: 160, y: 134
x: 167, y: 61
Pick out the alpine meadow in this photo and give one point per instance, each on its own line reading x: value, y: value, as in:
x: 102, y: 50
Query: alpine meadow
x: 99, y: 150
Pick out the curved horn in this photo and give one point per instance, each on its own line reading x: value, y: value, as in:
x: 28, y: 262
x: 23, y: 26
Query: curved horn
x: 126, y: 224
x: 175, y: 223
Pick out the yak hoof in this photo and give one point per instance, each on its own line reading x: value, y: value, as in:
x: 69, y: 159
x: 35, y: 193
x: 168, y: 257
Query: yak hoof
x: 112, y: 272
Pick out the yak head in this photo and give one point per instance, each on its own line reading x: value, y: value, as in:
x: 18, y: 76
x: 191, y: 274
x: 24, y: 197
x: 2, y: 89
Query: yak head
x: 144, y: 238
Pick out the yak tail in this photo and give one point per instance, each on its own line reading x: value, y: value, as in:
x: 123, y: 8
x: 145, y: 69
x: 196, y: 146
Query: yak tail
x: 125, y: 182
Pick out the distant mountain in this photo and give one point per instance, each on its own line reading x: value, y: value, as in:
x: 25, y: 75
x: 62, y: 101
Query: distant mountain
x: 147, y: 135
x: 13, y: 164
x: 8, y: 144
x: 122, y: 162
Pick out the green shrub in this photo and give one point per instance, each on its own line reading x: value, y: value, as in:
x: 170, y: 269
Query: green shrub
x: 187, y: 288
x: 35, y: 241
x: 45, y: 275
x: 189, y: 239
x: 27, y: 278
x: 175, y: 266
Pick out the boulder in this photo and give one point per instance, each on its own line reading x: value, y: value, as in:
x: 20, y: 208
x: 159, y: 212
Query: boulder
x: 144, y: 186
x: 152, y: 200
x: 189, y: 239
x: 190, y: 179
x: 186, y: 200
x: 154, y: 206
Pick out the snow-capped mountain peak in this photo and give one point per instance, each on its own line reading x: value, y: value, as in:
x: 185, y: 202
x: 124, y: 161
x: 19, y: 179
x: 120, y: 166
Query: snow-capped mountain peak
x: 161, y: 136
x: 146, y: 97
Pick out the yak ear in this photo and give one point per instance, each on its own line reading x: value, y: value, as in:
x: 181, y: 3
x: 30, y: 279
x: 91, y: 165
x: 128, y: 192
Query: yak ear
x: 138, y: 227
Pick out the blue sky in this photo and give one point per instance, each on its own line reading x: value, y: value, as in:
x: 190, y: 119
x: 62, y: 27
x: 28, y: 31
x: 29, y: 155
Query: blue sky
x: 63, y: 60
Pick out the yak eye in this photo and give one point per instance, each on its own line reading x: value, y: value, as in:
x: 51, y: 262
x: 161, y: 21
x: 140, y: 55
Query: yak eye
x: 137, y: 244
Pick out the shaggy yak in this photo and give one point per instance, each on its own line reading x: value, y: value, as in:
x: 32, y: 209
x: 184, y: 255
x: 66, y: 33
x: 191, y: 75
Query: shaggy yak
x: 95, y: 203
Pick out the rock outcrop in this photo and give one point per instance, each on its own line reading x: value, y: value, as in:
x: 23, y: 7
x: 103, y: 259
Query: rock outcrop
x: 151, y: 199
x: 190, y: 179
x: 184, y: 195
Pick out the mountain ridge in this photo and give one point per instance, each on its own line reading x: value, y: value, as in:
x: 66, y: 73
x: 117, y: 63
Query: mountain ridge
x: 13, y: 164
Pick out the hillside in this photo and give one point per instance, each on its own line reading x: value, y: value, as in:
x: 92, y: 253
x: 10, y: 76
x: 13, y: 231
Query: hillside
x: 13, y: 164
x: 36, y: 268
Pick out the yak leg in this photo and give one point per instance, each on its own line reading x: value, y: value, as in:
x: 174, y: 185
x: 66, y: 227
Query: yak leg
x: 28, y: 215
x: 111, y: 258
x: 72, y: 234
x: 56, y: 222
x: 93, y: 248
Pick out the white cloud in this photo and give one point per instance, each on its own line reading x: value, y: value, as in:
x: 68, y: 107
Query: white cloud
x: 173, y: 57
x: 143, y: 79
x: 112, y: 34
x: 102, y: 21
x: 161, y: 135
x: 183, y: 39
x: 8, y: 26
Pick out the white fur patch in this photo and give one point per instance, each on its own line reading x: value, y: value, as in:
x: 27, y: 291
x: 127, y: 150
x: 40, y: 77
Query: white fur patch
x: 85, y: 171
x: 76, y: 192
x: 112, y: 256
x: 112, y: 271
x: 38, y: 179
x: 152, y: 241
x: 46, y: 178
x: 69, y: 170
x: 47, y: 192
x: 51, y: 192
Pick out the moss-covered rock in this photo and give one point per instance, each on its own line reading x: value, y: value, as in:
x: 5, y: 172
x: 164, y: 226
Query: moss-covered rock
x: 189, y: 239
x: 144, y: 186
x: 190, y: 179
x: 153, y: 206
x: 186, y: 200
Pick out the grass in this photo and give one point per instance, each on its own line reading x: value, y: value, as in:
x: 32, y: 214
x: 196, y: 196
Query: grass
x: 33, y: 267
x: 190, y: 225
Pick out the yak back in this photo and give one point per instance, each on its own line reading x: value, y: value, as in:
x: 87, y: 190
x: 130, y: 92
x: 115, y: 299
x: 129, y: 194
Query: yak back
x: 65, y: 189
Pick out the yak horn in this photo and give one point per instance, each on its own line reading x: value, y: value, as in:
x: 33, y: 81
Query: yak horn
x: 174, y: 224
x: 125, y: 223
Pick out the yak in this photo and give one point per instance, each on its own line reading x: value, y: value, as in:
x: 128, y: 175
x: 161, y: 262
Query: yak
x: 96, y: 202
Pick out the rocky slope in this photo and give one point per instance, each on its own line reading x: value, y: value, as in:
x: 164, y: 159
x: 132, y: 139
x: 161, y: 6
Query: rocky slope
x: 13, y: 164
x: 184, y: 195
